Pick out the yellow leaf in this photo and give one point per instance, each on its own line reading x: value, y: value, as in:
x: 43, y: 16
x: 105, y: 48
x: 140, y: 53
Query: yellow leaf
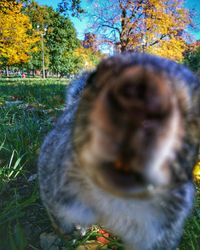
x: 91, y: 245
x: 196, y: 172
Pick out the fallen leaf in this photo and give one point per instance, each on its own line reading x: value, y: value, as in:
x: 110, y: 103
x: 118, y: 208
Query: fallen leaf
x: 102, y: 240
x: 91, y: 245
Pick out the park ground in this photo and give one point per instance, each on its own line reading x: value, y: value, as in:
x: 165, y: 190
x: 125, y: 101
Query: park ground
x: 28, y: 110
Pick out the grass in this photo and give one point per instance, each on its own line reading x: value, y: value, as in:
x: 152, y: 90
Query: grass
x: 28, y: 110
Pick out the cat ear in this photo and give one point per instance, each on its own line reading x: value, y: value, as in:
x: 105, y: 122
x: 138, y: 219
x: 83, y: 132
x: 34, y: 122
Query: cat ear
x: 76, y: 87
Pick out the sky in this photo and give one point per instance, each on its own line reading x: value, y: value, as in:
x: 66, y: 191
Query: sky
x: 81, y: 25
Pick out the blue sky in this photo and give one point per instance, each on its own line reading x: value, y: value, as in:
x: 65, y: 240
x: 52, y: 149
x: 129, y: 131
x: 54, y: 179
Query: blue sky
x: 81, y: 25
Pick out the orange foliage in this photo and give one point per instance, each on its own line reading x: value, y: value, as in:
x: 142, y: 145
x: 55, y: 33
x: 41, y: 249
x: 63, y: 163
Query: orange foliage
x: 104, y: 238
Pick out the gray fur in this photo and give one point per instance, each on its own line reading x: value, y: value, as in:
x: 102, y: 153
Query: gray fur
x: 70, y: 196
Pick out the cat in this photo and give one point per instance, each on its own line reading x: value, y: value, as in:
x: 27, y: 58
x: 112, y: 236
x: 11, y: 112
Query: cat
x: 122, y: 153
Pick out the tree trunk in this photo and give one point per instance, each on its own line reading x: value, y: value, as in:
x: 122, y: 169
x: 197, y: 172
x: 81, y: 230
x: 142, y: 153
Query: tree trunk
x: 7, y: 71
x: 123, y: 47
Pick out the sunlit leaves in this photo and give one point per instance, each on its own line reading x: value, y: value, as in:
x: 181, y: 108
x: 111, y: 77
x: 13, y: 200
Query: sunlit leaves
x: 153, y: 26
x: 88, y: 58
x: 17, y: 38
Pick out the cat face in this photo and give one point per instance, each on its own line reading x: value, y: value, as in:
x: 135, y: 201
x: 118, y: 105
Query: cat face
x: 132, y: 128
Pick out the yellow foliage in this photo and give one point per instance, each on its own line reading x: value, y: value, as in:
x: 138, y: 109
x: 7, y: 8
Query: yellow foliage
x: 196, y: 171
x: 172, y: 49
x: 157, y: 25
x: 85, y: 54
x: 17, y: 39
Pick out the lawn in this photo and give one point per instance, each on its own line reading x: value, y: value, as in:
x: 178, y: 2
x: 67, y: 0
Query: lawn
x: 28, y: 110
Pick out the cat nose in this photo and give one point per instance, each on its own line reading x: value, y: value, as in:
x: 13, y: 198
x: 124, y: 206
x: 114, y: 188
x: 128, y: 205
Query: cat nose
x: 142, y: 96
x: 130, y: 95
x: 132, y: 91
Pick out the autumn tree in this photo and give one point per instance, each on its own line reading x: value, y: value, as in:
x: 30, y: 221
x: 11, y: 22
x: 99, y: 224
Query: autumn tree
x: 153, y: 26
x: 17, y: 39
x: 88, y: 57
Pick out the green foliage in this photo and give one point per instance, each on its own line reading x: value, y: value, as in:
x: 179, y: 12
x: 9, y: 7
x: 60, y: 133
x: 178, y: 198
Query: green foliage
x: 39, y: 15
x: 67, y: 64
x: 72, y: 7
x: 35, y: 62
x: 192, y: 59
x: 60, y: 39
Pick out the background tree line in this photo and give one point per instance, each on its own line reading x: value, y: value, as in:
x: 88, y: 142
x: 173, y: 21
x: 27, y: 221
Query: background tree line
x: 28, y: 29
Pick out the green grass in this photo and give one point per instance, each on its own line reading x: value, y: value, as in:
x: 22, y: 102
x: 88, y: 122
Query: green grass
x: 28, y: 110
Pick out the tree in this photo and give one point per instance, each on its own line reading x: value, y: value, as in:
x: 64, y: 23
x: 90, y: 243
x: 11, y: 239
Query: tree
x: 153, y: 26
x: 192, y: 57
x: 60, y: 39
x: 88, y: 57
x: 41, y: 18
x: 17, y: 39
x: 72, y: 7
